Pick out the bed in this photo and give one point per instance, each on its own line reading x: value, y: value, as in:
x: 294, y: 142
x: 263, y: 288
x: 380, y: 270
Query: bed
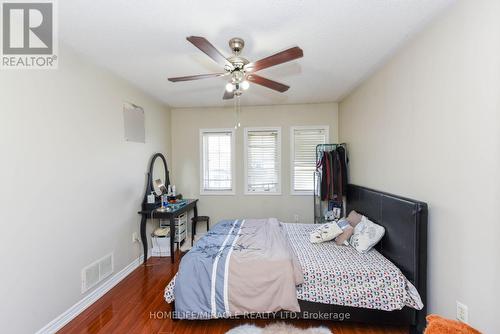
x: 275, y: 270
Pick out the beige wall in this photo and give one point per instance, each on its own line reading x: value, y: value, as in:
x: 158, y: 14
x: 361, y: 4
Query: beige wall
x: 71, y: 185
x: 186, y: 124
x: 427, y: 126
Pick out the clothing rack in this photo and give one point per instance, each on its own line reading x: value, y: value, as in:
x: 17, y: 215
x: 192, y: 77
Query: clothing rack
x: 319, y: 205
x: 320, y: 148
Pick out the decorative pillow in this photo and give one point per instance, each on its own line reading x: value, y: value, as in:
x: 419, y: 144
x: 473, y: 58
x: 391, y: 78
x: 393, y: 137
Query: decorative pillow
x: 325, y: 232
x: 366, y: 235
x: 440, y: 325
x: 347, y: 231
x: 354, y: 218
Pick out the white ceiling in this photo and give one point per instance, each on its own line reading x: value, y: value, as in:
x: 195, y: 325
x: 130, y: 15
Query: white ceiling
x: 144, y: 41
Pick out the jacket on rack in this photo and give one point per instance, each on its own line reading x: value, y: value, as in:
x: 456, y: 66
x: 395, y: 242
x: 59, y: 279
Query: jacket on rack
x: 343, y: 160
x: 325, y: 177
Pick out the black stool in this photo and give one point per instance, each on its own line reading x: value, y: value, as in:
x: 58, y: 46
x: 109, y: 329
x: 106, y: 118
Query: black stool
x: 195, y: 220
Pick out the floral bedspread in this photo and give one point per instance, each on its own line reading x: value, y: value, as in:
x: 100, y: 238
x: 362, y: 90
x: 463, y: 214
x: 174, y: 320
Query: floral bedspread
x: 340, y: 275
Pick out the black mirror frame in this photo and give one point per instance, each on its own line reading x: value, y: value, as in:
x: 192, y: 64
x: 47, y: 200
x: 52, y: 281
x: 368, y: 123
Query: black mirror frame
x: 150, y: 187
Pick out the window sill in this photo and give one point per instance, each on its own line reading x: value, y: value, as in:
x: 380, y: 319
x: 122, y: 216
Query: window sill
x: 217, y: 193
x: 251, y: 193
x: 302, y: 193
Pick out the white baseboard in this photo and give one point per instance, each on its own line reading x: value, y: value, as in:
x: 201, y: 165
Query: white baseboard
x: 91, y: 298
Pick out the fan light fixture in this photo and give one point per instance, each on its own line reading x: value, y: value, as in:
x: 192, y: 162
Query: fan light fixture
x: 245, y: 85
x: 232, y: 87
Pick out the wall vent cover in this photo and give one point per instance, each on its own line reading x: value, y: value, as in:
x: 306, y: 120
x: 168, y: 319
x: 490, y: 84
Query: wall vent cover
x: 96, y: 272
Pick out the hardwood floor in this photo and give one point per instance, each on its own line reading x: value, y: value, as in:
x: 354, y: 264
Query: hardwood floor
x: 136, y: 305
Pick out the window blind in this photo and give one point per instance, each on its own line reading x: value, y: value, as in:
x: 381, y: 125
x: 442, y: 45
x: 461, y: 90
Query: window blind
x: 304, y: 156
x: 263, y: 161
x: 217, y: 161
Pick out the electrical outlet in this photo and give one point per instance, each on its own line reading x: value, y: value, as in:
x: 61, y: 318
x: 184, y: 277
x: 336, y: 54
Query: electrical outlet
x: 462, y: 312
x: 135, y: 237
x: 296, y: 218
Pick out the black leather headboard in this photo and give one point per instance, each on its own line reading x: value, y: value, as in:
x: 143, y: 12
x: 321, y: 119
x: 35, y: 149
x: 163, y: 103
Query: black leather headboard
x: 405, y: 223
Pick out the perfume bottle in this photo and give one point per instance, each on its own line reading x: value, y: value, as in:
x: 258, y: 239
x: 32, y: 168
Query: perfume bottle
x: 151, y: 198
x: 171, y: 194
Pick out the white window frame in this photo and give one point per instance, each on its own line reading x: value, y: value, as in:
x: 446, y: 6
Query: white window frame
x: 326, y: 128
x: 245, y: 158
x: 233, y: 161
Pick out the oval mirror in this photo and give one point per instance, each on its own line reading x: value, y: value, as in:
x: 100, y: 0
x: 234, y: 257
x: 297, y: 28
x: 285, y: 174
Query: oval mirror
x: 158, y: 174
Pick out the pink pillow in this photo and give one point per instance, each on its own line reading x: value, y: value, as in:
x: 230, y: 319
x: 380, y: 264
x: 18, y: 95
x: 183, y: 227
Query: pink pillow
x: 354, y: 218
x: 342, y: 239
x: 347, y: 231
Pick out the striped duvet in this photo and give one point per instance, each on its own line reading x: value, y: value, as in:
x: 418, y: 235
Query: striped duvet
x: 238, y: 267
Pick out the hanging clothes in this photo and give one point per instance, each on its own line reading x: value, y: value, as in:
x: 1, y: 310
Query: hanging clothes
x: 333, y: 169
x: 343, y: 160
x: 325, y: 176
x: 336, y: 176
x: 333, y: 175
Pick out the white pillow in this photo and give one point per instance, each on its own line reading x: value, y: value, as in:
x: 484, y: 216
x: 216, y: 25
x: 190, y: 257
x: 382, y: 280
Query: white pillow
x: 366, y: 235
x: 325, y: 232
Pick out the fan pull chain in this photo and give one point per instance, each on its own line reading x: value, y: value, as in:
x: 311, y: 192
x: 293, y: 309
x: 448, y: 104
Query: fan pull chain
x: 237, y: 108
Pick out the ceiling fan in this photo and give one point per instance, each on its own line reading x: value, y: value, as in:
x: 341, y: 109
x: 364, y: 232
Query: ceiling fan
x: 240, y: 70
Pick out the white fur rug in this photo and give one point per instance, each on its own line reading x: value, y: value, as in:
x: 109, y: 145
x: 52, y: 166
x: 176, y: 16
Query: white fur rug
x: 277, y: 328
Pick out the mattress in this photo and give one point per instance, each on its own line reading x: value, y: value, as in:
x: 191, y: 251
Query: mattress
x: 340, y: 275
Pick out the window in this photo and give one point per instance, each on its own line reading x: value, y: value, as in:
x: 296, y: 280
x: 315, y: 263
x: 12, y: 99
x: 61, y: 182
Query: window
x: 303, y: 155
x: 263, y: 161
x: 217, y: 161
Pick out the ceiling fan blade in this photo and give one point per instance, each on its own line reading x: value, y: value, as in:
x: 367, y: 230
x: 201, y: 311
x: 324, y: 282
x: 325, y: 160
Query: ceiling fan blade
x: 196, y: 77
x: 276, y: 59
x: 228, y: 95
x: 267, y: 83
x: 210, y: 50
